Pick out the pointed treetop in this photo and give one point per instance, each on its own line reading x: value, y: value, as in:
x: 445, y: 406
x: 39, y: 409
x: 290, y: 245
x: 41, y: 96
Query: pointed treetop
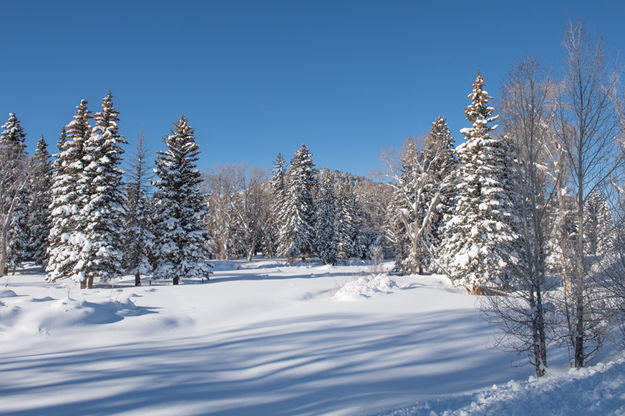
x: 79, y: 127
x: 12, y: 131
x: 107, y: 119
x: 478, y: 112
x: 42, y: 146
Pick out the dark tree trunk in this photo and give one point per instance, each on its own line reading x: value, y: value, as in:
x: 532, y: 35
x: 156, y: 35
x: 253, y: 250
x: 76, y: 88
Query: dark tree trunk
x: 176, y: 280
x: 137, y: 279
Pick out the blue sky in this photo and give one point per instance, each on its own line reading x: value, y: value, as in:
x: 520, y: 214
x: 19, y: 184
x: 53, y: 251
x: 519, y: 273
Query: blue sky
x: 347, y: 78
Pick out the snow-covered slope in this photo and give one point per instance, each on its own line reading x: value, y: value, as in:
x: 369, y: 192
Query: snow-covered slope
x: 260, y: 338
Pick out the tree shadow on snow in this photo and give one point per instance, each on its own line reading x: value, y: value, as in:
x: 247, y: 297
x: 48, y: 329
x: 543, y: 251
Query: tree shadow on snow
x: 308, y: 366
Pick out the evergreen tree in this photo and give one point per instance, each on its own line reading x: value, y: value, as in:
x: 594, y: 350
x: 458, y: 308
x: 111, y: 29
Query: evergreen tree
x: 139, y: 239
x: 101, y: 198
x: 13, y: 195
x: 598, y: 227
x: 325, y: 219
x: 66, y: 237
x: 346, y: 230
x: 180, y: 211
x: 39, y: 204
x: 18, y: 248
x: 278, y: 193
x: 297, y: 232
x: 481, y: 240
x: 440, y: 162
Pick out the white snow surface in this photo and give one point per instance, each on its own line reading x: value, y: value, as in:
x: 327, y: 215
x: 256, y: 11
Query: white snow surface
x: 266, y: 338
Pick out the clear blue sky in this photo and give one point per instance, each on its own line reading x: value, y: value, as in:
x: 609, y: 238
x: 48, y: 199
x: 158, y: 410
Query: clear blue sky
x: 261, y: 77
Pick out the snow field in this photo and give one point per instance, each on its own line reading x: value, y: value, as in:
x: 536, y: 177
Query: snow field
x: 258, y: 338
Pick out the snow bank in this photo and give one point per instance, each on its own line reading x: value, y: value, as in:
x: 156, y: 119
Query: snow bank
x: 63, y: 314
x: 7, y: 294
x: 598, y: 390
x: 364, y: 287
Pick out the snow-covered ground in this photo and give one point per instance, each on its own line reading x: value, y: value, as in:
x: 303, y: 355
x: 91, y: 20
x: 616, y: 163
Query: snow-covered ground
x: 264, y: 338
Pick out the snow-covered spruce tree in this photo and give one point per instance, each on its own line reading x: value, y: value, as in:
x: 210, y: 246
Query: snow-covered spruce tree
x: 278, y: 194
x: 297, y: 231
x: 101, y: 198
x: 13, y: 181
x: 325, y: 218
x: 481, y: 238
x: 346, y: 227
x: 180, y: 210
x: 138, y: 236
x: 598, y: 225
x: 66, y: 238
x: 440, y: 162
x: 18, y: 248
x: 39, y: 204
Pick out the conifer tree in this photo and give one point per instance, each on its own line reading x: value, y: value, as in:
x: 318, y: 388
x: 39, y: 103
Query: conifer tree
x: 66, y: 236
x: 18, y: 248
x: 598, y: 225
x: 345, y: 224
x: 440, y: 162
x: 101, y: 198
x: 180, y: 211
x: 297, y: 231
x: 39, y: 204
x: 325, y: 219
x: 13, y: 197
x: 481, y: 239
x: 139, y: 239
x: 278, y: 193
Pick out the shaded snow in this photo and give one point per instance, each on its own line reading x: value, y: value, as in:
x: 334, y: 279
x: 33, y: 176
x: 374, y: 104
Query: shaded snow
x: 258, y: 338
x: 598, y: 390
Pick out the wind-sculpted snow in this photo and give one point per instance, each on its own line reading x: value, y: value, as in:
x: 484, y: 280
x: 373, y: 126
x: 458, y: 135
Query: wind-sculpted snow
x: 258, y: 338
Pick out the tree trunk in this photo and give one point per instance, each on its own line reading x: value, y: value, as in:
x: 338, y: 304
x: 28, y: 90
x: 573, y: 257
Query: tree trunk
x: 90, y: 282
x: 137, y: 279
x: 176, y: 280
x: 83, y: 284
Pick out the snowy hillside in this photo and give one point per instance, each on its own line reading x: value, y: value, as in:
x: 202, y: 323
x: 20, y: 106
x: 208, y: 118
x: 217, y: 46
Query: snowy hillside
x: 264, y: 338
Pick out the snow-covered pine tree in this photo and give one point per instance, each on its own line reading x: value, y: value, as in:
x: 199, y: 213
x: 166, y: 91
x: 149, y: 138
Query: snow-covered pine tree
x: 18, y: 248
x: 180, y: 210
x: 440, y: 161
x: 481, y: 240
x: 101, y: 216
x: 598, y: 225
x: 66, y: 238
x: 13, y: 196
x: 278, y: 193
x: 39, y: 204
x: 346, y: 229
x: 325, y: 218
x: 297, y: 231
x: 139, y: 239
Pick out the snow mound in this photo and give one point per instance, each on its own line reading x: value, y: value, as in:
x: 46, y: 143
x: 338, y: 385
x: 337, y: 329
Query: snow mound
x: 70, y: 313
x: 364, y: 287
x: 598, y: 390
x: 7, y: 294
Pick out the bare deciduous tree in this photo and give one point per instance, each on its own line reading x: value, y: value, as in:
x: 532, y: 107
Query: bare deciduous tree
x: 587, y: 124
